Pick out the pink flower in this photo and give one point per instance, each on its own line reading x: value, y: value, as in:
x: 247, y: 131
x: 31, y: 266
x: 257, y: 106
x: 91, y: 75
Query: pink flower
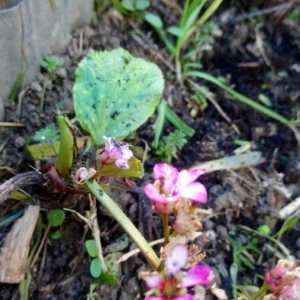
x: 284, y: 279
x: 116, y: 152
x: 171, y: 185
x: 183, y: 297
x: 171, y: 283
x: 292, y: 292
x: 177, y: 259
x: 198, y: 275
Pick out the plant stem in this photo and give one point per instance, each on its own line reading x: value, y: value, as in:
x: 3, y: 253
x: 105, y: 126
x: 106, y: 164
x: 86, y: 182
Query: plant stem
x: 264, y: 288
x: 165, y: 219
x: 237, y: 96
x: 124, y: 221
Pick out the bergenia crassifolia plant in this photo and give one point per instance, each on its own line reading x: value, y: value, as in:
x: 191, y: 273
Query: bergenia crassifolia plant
x: 114, y: 94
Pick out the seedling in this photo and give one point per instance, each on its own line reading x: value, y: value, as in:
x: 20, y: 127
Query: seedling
x: 169, y: 146
x: 55, y: 218
x: 51, y: 63
x: 47, y: 135
x: 131, y: 6
x: 95, y: 266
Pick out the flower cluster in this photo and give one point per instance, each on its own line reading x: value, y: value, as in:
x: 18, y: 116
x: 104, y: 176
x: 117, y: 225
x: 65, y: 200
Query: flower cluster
x: 116, y: 152
x: 172, y: 282
x: 170, y: 186
x: 283, y: 281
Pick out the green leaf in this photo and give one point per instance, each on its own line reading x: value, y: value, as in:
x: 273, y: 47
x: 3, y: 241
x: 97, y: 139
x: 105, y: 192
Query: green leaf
x: 115, y: 93
x: 153, y: 20
x: 136, y: 169
x: 176, y: 121
x: 91, y: 248
x: 175, y: 30
x: 56, y: 235
x: 113, y: 268
x: 128, y: 4
x: 119, y: 244
x: 160, y: 120
x: 67, y: 150
x: 108, y: 278
x: 95, y: 267
x: 142, y: 4
x: 47, y: 134
x: 264, y: 229
x: 55, y: 217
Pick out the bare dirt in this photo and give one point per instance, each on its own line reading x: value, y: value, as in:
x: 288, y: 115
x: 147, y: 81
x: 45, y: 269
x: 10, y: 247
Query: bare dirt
x: 249, y: 196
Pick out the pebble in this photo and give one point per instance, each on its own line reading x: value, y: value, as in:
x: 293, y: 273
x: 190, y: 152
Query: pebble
x: 35, y: 86
x: 222, y: 232
x: 208, y: 224
x: 20, y: 142
x: 61, y: 72
x: 30, y: 107
x: 88, y: 32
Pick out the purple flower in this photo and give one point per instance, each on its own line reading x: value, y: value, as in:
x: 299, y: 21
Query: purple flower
x: 171, y: 185
x: 116, y: 152
x: 171, y: 283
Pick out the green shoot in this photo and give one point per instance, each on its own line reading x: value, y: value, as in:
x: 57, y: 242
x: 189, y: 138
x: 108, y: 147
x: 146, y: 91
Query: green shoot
x: 165, y: 112
x: 159, y: 123
x: 17, y: 86
x: 55, y: 218
x: 237, y: 96
x: 95, y: 266
x: 47, y: 135
x: 169, y: 146
x: 67, y: 149
x: 51, y: 63
x: 135, y: 5
x: 176, y: 121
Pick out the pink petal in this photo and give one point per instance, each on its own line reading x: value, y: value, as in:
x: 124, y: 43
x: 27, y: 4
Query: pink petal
x: 155, y: 298
x: 183, y: 297
x: 195, y: 191
x: 199, y: 274
x: 153, y: 194
x: 163, y: 170
x: 153, y: 281
x: 188, y: 176
x: 177, y: 259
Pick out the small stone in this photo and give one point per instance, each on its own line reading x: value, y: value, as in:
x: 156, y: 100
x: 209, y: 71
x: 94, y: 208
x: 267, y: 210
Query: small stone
x: 222, y: 232
x: 19, y: 142
x: 35, y: 86
x: 61, y: 72
x: 31, y: 107
x: 88, y: 32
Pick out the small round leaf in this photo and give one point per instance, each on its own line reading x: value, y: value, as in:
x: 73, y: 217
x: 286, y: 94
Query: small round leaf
x: 95, y: 267
x: 55, y: 217
x: 56, y: 235
x: 91, y: 248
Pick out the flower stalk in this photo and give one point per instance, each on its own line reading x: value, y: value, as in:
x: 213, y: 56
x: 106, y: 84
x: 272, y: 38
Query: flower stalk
x: 125, y: 222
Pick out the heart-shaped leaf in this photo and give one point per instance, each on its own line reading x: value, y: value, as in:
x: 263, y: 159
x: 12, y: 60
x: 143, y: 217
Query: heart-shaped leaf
x: 115, y: 93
